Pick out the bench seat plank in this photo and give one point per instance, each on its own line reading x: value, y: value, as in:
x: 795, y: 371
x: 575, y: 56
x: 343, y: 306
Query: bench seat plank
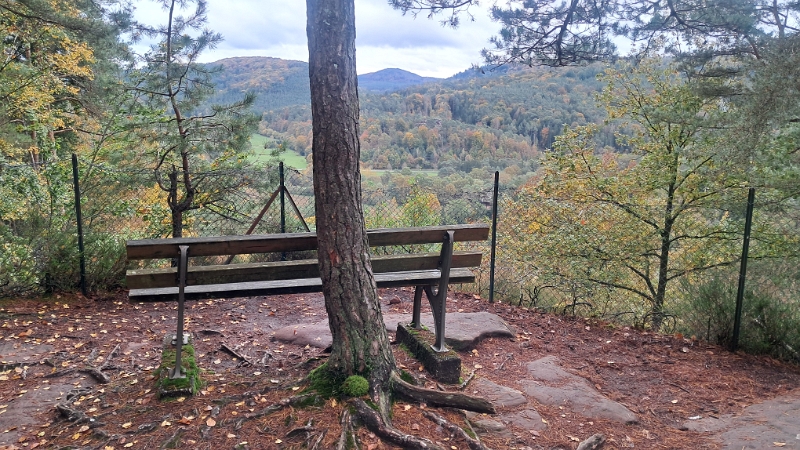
x: 288, y: 242
x: 284, y: 270
x: 296, y: 286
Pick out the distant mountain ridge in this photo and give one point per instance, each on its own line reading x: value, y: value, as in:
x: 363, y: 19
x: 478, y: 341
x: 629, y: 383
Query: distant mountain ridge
x: 392, y: 79
x: 279, y: 83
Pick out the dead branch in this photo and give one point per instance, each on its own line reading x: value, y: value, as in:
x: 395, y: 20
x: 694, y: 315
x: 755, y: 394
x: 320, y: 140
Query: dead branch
x: 109, y: 358
x: 375, y: 424
x: 235, y: 354
x: 592, y: 443
x: 463, y: 385
x: 455, y: 429
x: 437, y: 398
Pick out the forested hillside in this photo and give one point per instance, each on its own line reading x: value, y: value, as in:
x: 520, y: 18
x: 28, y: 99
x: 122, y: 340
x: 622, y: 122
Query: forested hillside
x: 475, y: 119
x: 277, y: 82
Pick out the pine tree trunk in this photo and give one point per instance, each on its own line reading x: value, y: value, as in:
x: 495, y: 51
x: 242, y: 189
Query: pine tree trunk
x: 360, y: 342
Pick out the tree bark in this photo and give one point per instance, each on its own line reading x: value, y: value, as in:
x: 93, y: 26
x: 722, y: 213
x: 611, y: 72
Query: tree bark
x: 360, y: 342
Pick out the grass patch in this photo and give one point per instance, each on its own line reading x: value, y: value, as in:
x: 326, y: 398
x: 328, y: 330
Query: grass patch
x: 261, y: 154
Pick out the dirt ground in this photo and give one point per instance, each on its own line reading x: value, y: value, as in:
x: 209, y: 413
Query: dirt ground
x: 46, y: 345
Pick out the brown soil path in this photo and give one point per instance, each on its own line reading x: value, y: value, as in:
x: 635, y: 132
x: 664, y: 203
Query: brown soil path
x: 664, y: 380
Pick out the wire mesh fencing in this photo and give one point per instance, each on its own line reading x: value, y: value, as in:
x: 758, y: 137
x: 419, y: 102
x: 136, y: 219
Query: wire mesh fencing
x: 536, y: 267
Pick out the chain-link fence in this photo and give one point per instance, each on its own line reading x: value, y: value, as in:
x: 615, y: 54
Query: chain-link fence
x: 533, y: 269
x: 610, y: 270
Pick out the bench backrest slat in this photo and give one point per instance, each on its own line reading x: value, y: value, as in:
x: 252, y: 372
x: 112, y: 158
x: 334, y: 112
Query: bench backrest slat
x: 286, y: 270
x: 288, y: 242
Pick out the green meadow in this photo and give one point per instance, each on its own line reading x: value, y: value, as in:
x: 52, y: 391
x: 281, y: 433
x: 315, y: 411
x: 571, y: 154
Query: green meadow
x: 263, y: 147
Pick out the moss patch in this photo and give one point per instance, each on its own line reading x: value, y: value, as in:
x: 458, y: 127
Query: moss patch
x: 355, y: 386
x: 175, y: 387
x: 445, y: 367
x: 332, y: 384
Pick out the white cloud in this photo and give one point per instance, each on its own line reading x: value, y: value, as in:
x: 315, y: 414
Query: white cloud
x: 384, y: 37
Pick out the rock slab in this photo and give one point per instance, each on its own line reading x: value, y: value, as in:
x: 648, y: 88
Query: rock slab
x: 501, y: 397
x: 463, y: 331
x: 552, y: 385
x: 765, y: 425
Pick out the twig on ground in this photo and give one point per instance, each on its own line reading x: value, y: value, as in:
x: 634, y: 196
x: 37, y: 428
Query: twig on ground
x: 679, y: 387
x: 509, y: 357
x: 455, y: 429
x: 463, y: 385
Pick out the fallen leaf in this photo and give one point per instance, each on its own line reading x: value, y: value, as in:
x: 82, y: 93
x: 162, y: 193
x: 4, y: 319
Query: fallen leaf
x: 127, y: 425
x: 779, y: 444
x: 231, y: 435
x: 211, y: 422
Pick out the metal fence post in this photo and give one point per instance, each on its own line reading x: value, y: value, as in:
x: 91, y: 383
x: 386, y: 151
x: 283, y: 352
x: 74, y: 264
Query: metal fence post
x: 79, y: 218
x: 282, y: 188
x: 283, y: 198
x: 748, y: 222
x: 494, y: 235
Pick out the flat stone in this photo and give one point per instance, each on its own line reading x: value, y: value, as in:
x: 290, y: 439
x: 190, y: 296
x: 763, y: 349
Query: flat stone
x: 707, y: 424
x: 500, y: 396
x: 14, y: 353
x: 549, y: 370
x: 488, y: 425
x: 463, y: 331
x: 760, y: 425
x: 313, y: 334
x: 552, y: 385
x: 527, y: 419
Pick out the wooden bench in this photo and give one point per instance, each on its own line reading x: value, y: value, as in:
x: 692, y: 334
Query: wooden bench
x: 423, y: 270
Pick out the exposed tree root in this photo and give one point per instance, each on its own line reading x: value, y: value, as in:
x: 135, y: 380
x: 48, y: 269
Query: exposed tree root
x: 438, y: 398
x: 347, y: 430
x: 95, y: 372
x: 375, y: 424
x: 291, y: 401
x: 455, y: 429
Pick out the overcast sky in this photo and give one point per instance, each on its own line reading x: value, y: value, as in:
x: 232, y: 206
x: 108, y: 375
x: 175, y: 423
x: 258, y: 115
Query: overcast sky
x: 384, y: 37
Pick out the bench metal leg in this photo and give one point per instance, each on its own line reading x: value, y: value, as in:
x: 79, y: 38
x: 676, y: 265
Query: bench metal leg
x: 416, y: 322
x: 439, y: 299
x: 180, y: 340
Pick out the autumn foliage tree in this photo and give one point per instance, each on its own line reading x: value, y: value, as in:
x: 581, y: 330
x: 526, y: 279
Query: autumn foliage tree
x: 636, y: 225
